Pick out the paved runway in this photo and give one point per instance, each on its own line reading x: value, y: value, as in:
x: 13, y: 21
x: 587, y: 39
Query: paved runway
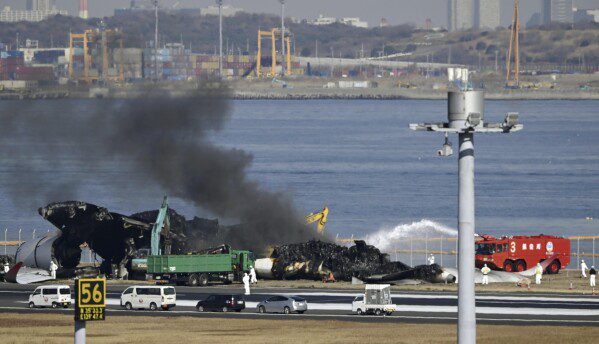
x: 414, y: 307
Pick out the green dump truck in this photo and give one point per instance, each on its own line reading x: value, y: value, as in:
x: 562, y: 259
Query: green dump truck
x: 199, y: 269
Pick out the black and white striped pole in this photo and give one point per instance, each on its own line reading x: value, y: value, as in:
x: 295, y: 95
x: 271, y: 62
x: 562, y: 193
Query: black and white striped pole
x: 465, y: 112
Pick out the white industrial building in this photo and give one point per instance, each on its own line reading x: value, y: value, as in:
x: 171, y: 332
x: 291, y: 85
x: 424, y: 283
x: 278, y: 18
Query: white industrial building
x: 322, y: 20
x: 227, y: 11
x: 9, y: 15
x: 351, y: 21
x: 355, y: 22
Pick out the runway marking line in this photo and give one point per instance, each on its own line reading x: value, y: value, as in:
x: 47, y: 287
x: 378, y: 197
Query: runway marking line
x: 561, y: 321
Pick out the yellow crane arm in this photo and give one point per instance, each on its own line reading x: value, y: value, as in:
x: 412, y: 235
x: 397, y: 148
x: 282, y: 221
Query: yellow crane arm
x: 321, y: 217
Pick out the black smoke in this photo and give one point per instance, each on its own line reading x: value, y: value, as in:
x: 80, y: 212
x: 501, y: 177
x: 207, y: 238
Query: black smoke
x: 163, y: 138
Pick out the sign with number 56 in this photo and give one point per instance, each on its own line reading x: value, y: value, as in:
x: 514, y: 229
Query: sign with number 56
x: 90, y: 299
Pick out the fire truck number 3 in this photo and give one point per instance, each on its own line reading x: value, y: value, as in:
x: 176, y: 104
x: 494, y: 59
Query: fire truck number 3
x: 512, y: 247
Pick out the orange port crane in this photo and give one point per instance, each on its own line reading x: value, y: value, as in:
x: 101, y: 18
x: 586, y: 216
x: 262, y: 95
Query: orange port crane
x: 103, y: 39
x: 273, y: 34
x: 512, y: 78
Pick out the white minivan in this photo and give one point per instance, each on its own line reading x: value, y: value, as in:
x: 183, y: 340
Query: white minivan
x: 51, y: 296
x: 149, y: 297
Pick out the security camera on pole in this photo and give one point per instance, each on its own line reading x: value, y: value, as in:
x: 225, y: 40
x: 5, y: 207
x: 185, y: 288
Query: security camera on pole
x: 465, y: 118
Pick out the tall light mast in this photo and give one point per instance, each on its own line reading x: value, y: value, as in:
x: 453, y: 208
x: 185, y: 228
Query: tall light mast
x: 156, y: 40
x: 466, y: 117
x: 283, y: 37
x: 514, y: 50
x: 220, y: 38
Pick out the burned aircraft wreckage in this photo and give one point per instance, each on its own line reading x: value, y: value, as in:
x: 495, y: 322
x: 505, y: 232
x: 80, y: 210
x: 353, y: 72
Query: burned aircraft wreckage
x: 118, y: 238
x: 360, y: 262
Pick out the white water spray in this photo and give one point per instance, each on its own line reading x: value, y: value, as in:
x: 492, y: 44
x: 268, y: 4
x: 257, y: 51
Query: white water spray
x: 387, y: 237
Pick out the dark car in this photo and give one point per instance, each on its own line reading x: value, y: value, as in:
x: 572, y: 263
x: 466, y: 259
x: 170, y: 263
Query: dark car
x: 222, y: 302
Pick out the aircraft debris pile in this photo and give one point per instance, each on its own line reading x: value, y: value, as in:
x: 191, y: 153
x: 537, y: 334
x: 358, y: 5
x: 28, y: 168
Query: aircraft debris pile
x: 315, y: 258
x: 359, y: 263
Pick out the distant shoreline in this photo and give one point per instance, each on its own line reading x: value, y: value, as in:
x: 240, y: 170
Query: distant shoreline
x: 352, y: 94
x: 404, y: 96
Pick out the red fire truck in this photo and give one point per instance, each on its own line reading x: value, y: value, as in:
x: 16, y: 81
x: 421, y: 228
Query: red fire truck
x: 518, y: 253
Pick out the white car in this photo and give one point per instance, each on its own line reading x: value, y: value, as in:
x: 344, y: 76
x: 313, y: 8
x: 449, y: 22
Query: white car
x: 149, y: 297
x: 51, y: 296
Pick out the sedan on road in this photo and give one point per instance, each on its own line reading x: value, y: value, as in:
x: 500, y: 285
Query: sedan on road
x: 223, y: 303
x: 283, y: 304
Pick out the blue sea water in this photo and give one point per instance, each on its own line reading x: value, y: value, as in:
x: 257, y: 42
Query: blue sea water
x: 361, y: 160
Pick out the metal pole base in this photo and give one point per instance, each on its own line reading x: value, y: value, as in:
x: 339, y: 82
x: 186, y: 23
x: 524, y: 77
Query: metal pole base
x: 79, y: 332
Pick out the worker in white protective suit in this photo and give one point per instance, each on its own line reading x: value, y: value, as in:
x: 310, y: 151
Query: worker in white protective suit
x: 592, y: 275
x: 53, y: 268
x: 485, y: 270
x: 538, y: 273
x: 583, y: 268
x: 253, y: 279
x: 246, y: 283
x: 431, y: 259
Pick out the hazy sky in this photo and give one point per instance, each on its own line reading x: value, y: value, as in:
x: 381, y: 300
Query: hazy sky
x: 396, y: 11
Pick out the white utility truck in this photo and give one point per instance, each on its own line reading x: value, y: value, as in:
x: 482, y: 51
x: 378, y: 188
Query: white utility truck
x: 376, y: 300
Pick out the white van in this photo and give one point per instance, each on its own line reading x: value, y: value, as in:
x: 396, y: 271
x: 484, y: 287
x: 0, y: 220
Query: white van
x: 51, y: 296
x: 149, y: 297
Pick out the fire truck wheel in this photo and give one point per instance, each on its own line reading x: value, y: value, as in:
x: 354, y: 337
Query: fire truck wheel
x: 554, y: 267
x: 508, y: 266
x: 520, y: 265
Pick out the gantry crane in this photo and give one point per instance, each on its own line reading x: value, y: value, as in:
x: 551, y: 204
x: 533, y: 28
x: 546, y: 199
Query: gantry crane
x: 104, y: 39
x: 321, y: 217
x: 273, y: 34
x: 512, y: 79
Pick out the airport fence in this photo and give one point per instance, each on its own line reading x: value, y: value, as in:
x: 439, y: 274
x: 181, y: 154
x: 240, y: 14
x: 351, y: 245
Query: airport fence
x: 416, y: 250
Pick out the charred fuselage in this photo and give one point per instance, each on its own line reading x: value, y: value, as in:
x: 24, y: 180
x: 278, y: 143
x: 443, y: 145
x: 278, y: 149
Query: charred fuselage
x: 110, y: 235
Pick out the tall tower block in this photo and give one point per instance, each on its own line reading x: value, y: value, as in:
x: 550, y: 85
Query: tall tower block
x: 83, y: 13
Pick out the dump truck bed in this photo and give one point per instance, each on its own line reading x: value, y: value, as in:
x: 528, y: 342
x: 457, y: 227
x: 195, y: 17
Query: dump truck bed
x: 190, y: 263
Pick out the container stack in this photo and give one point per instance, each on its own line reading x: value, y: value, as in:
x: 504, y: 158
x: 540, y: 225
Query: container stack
x: 34, y: 73
x: 234, y: 66
x: 48, y: 56
x: 9, y: 62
